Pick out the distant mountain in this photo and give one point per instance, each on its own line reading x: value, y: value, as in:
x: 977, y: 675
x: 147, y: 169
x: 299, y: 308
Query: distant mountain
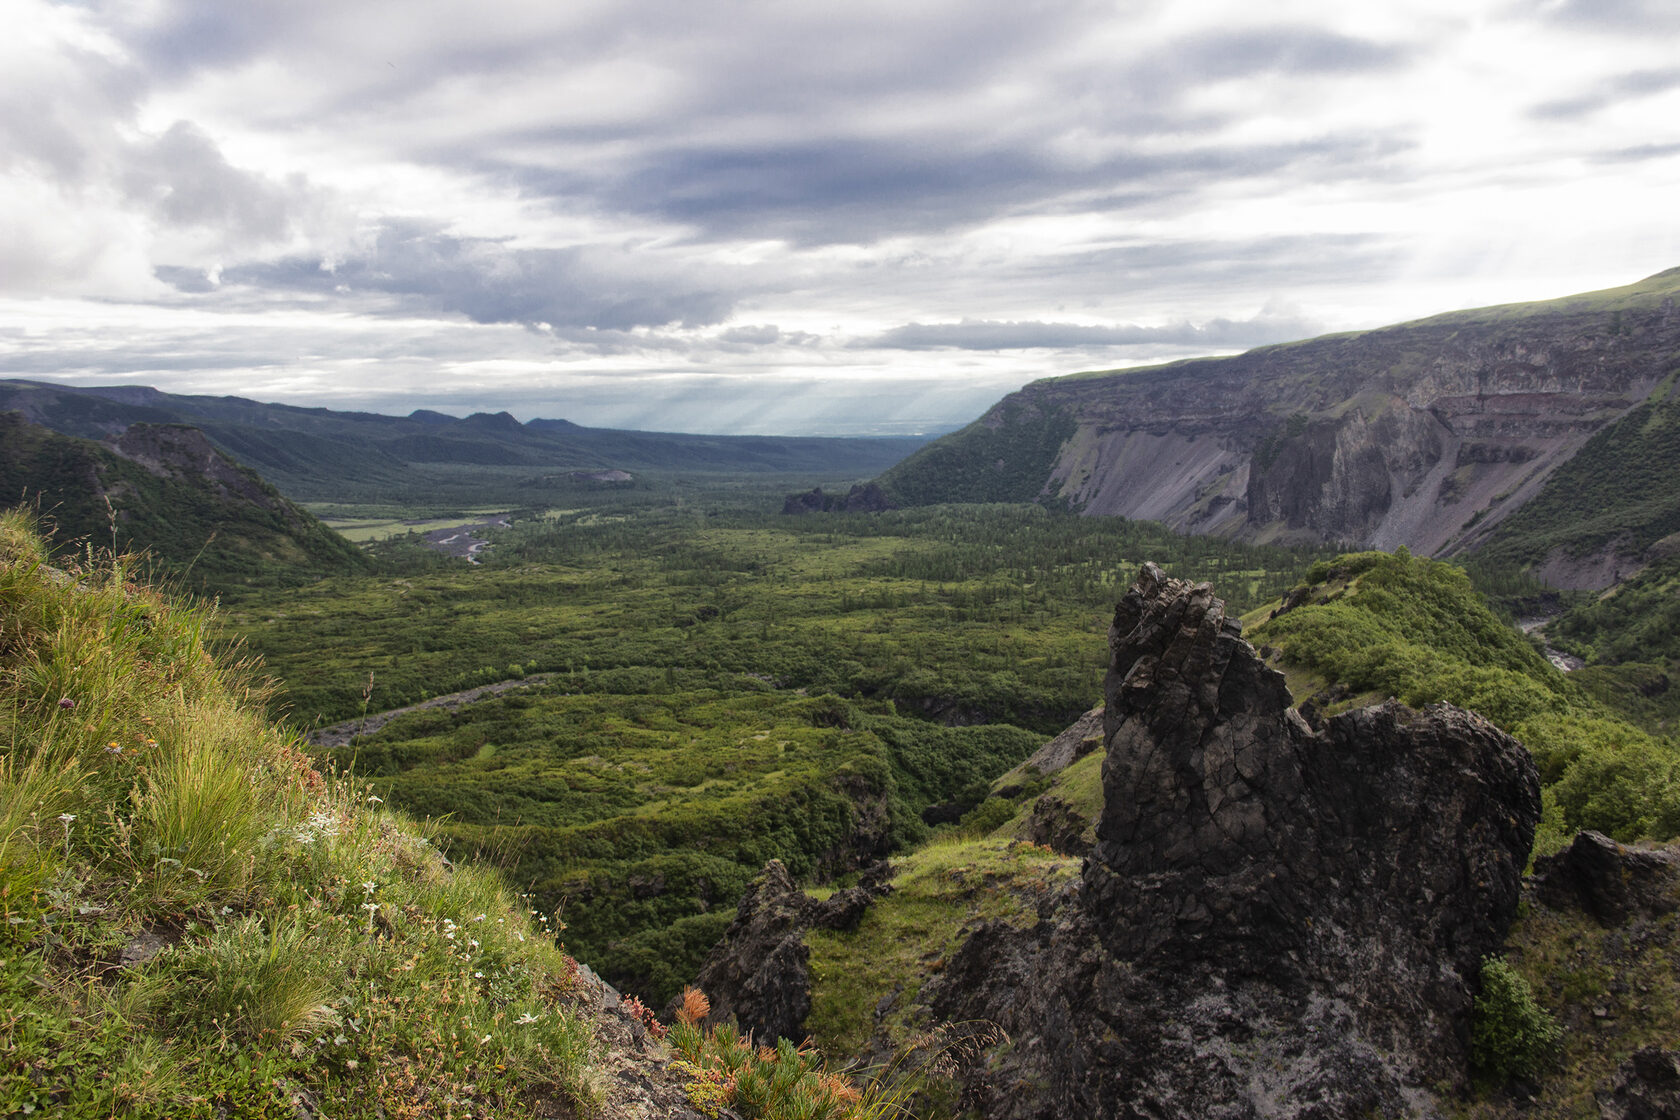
x: 315, y: 454
x: 164, y: 489
x: 1431, y: 434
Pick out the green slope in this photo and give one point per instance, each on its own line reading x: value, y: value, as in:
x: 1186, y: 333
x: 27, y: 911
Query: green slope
x: 1370, y: 625
x: 203, y: 518
x: 1617, y: 492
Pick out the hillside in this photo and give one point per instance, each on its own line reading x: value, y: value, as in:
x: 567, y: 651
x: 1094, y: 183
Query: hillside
x: 319, y: 455
x: 1430, y: 434
x: 198, y: 924
x: 163, y: 489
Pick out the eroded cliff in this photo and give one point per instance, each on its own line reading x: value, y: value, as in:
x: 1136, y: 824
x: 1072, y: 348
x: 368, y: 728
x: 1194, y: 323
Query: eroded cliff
x: 1426, y: 434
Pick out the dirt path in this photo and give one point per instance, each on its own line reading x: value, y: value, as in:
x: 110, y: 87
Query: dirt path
x: 340, y: 734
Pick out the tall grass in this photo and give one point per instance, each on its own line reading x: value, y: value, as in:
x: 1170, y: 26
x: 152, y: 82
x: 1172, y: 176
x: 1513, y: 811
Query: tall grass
x: 194, y: 922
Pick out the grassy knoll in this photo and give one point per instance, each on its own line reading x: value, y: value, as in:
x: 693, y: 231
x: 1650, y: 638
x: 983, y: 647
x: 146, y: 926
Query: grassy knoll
x: 197, y: 924
x: 938, y: 892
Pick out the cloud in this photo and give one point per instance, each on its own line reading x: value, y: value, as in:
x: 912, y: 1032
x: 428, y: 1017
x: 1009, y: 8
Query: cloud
x: 316, y: 198
x: 1636, y: 16
x: 991, y: 335
x: 1638, y: 153
x: 425, y: 270
x: 1610, y: 91
x: 1291, y: 50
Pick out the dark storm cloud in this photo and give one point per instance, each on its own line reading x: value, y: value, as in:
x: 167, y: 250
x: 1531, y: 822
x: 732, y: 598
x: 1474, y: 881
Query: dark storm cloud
x: 489, y: 281
x: 824, y: 192
x: 983, y: 335
x: 871, y: 136
x: 1611, y: 91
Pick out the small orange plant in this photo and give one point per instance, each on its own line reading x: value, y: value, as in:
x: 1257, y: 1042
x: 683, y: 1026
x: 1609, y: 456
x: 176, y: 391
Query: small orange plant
x: 694, y: 1008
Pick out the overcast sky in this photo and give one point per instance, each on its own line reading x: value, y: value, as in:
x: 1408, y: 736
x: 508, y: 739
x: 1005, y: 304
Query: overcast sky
x: 796, y: 216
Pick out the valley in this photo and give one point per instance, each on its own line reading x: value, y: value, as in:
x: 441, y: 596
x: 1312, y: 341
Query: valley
x: 818, y: 727
x: 685, y: 675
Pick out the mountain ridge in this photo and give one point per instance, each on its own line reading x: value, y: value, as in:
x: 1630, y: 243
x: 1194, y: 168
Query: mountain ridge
x: 318, y: 454
x: 1426, y: 434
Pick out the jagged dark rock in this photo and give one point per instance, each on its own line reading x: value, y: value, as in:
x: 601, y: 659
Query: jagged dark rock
x: 1058, y: 825
x: 1610, y: 881
x: 757, y: 975
x: 1275, y: 922
x: 1647, y: 1087
x: 864, y: 498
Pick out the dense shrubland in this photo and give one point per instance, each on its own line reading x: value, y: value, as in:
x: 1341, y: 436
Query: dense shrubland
x: 196, y: 922
x: 713, y: 689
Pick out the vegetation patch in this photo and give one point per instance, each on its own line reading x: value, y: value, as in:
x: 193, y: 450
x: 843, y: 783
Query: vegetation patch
x: 1373, y: 625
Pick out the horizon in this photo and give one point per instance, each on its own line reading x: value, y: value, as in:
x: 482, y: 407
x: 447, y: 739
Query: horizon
x: 756, y: 220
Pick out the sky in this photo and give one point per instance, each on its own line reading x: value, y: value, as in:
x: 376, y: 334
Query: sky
x: 793, y: 216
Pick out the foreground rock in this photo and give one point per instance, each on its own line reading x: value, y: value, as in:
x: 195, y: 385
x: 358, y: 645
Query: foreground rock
x: 1275, y: 922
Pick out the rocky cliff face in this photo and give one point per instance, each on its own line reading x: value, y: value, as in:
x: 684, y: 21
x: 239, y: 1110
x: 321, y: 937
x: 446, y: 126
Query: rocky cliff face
x: 179, y: 452
x: 1425, y: 434
x: 1275, y: 921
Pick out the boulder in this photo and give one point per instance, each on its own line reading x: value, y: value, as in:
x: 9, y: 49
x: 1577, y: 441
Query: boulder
x: 1647, y: 1087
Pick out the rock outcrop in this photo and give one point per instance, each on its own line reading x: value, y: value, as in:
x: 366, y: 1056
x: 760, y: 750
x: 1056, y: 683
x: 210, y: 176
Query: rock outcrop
x: 1647, y: 1087
x: 1275, y: 921
x: 864, y: 498
x: 1610, y: 881
x: 757, y: 976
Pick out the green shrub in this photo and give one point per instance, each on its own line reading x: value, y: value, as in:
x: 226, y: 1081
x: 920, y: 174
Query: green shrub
x: 1511, y: 1035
